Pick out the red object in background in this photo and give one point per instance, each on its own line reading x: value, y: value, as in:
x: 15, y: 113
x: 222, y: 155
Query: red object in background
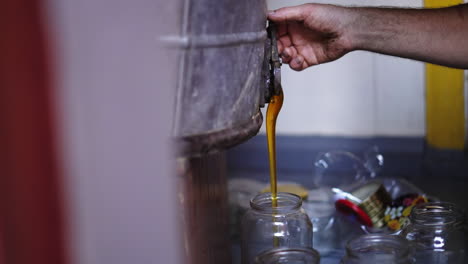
x: 32, y: 226
x: 347, y: 207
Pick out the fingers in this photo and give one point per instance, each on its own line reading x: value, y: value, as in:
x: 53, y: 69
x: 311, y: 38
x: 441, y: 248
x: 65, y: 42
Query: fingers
x: 285, y: 48
x: 298, y: 63
x: 293, y: 13
x: 280, y: 47
x: 288, y: 54
x: 282, y: 30
x: 284, y: 42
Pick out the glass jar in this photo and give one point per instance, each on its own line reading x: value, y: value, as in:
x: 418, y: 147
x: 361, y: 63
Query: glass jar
x: 438, y: 233
x: 289, y: 256
x: 266, y: 226
x: 381, y: 249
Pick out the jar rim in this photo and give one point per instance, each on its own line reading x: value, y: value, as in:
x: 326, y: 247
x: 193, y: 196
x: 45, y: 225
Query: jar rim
x: 284, y: 202
x: 436, y: 214
x: 282, y: 251
x: 391, y: 244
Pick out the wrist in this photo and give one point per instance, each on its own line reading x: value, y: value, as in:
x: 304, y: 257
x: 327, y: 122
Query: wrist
x: 341, y: 21
x: 353, y: 29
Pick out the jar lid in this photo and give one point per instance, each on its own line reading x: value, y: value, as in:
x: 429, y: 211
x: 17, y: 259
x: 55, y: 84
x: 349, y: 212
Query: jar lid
x: 347, y: 207
x: 368, y: 204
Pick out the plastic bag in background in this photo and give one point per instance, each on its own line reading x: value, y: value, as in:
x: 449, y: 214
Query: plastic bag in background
x: 337, y: 169
x: 341, y: 169
x: 338, y: 173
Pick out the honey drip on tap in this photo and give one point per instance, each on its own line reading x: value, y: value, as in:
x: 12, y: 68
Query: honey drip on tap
x: 273, y: 110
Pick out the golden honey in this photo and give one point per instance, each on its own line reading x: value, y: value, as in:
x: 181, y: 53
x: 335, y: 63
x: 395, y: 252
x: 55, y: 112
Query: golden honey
x: 274, y: 107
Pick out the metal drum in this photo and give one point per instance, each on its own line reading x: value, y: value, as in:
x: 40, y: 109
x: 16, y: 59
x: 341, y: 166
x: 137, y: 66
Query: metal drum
x: 220, y: 81
x: 220, y: 89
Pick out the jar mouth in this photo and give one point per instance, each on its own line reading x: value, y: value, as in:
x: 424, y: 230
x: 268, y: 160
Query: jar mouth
x: 287, y: 254
x: 436, y: 214
x: 380, y: 244
x: 284, y: 202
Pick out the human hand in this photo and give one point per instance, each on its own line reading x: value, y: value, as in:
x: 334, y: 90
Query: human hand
x: 311, y: 34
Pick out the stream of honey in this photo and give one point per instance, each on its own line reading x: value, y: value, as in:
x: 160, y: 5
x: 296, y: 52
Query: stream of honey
x: 273, y: 110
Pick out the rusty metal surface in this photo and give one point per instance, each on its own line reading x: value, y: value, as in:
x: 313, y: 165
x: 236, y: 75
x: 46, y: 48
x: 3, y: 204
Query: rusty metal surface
x: 220, y: 70
x: 203, y: 195
x: 214, y: 141
x: 219, y: 92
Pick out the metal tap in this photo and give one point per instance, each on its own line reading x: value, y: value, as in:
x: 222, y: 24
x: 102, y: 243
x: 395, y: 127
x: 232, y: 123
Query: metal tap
x: 272, y: 66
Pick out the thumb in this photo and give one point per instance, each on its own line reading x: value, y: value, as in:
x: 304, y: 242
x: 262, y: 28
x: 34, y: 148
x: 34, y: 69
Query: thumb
x: 293, y: 13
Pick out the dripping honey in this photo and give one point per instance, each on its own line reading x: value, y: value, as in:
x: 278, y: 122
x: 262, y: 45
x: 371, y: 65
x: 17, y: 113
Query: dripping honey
x: 273, y: 110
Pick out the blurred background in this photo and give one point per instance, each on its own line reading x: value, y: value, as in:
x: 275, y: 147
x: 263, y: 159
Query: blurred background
x: 103, y: 159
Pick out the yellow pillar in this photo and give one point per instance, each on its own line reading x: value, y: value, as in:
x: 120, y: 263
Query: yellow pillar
x: 445, y: 111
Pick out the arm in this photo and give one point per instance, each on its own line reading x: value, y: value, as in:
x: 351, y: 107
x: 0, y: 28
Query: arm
x: 312, y: 34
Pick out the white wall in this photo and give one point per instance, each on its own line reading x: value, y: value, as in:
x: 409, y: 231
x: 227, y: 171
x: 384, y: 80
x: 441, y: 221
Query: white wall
x: 362, y: 94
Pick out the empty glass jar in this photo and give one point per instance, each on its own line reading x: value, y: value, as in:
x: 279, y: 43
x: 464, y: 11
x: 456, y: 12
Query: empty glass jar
x: 289, y: 256
x: 380, y: 249
x: 438, y: 233
x: 266, y: 226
